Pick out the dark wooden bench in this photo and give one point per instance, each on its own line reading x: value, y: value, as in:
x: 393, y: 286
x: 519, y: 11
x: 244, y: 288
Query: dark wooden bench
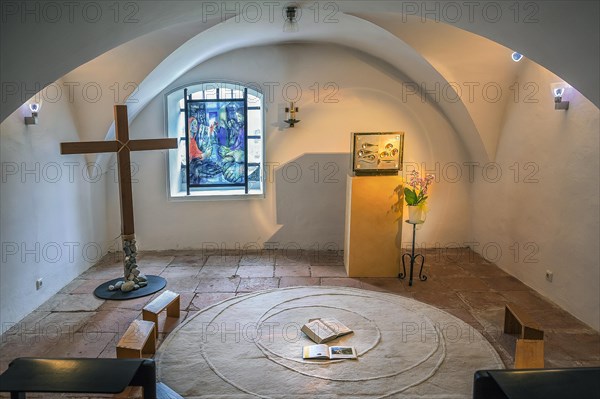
x: 78, y: 375
x: 579, y: 383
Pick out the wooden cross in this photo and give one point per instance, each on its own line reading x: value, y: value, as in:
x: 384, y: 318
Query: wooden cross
x: 122, y: 146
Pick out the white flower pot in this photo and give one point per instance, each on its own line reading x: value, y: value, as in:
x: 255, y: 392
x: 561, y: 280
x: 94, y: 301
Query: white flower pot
x: 415, y: 214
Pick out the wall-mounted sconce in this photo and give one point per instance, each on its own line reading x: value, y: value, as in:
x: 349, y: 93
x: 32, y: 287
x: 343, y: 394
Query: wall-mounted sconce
x: 290, y: 113
x: 558, y: 91
x: 33, y: 119
x: 291, y: 20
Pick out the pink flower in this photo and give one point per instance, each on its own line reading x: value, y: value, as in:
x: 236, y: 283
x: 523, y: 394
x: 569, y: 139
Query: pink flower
x: 420, y: 186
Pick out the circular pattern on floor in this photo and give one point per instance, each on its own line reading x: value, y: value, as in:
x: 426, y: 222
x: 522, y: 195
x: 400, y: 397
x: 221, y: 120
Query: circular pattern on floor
x: 251, y: 346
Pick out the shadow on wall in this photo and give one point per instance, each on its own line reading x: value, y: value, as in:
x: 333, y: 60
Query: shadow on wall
x: 311, y: 202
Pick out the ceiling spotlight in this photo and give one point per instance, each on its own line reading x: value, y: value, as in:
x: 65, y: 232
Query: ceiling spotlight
x: 558, y: 91
x: 516, y: 57
x: 33, y: 119
x: 34, y: 107
x: 291, y: 21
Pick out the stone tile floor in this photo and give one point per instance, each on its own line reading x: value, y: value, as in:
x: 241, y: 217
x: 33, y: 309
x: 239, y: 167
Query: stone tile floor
x: 73, y: 323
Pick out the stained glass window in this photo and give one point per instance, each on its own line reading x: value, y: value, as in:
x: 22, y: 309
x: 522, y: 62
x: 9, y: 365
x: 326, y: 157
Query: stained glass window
x: 221, y: 147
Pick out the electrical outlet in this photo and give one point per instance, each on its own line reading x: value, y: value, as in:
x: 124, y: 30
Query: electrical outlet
x: 38, y: 283
x: 549, y: 275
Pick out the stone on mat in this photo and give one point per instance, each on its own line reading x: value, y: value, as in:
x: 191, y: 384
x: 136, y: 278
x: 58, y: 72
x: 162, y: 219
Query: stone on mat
x: 128, y: 286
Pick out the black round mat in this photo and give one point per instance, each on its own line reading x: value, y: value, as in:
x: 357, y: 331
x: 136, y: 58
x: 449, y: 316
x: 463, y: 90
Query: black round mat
x: 155, y: 284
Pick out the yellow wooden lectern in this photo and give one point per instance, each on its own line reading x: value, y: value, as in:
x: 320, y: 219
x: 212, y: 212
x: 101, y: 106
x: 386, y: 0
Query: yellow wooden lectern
x: 373, y: 236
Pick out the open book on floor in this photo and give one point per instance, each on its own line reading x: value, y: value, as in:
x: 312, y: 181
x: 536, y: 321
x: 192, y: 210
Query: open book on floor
x: 324, y: 329
x: 328, y: 352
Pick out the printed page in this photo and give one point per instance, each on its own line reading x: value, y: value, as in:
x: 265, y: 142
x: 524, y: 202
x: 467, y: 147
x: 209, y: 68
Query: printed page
x: 315, y: 352
x: 320, y: 331
x: 336, y: 326
x: 342, y: 352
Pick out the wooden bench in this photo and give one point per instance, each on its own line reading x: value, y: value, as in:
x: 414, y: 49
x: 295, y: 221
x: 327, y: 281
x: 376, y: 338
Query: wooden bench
x: 167, y: 300
x: 78, y: 375
x: 517, y: 321
x: 529, y: 351
x: 562, y: 383
x: 139, y: 341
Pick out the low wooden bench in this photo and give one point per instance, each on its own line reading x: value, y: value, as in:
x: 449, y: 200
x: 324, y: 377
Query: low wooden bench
x: 139, y: 341
x: 529, y: 354
x: 529, y: 351
x: 167, y: 300
x: 78, y: 375
x: 518, y: 321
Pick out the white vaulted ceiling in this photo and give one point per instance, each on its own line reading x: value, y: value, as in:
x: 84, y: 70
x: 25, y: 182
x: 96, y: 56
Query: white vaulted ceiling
x: 563, y: 36
x: 170, y: 38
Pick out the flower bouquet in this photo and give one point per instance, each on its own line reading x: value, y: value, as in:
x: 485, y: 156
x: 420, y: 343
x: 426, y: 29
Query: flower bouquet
x: 415, y: 195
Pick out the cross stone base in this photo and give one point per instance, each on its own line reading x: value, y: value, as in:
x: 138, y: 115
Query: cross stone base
x: 133, y: 284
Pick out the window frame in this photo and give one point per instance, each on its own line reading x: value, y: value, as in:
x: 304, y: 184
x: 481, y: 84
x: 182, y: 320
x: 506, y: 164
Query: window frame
x: 176, y: 181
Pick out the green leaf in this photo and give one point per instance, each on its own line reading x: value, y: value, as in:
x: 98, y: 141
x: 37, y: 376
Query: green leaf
x: 410, y: 196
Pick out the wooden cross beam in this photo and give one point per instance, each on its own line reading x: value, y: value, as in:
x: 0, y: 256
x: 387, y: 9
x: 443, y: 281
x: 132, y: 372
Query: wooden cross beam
x: 122, y: 146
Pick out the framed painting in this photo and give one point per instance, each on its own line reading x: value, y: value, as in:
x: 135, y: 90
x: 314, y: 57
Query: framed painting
x: 377, y: 153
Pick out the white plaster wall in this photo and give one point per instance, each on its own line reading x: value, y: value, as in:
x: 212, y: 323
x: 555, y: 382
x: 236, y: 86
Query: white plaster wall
x: 550, y: 209
x: 114, y: 76
x: 479, y: 71
x: 369, y: 99
x: 53, y: 218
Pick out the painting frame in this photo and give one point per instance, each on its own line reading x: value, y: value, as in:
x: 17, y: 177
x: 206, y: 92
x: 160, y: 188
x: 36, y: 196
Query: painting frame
x: 377, y: 153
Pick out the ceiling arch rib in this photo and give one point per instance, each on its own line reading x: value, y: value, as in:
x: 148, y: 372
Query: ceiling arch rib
x: 373, y: 40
